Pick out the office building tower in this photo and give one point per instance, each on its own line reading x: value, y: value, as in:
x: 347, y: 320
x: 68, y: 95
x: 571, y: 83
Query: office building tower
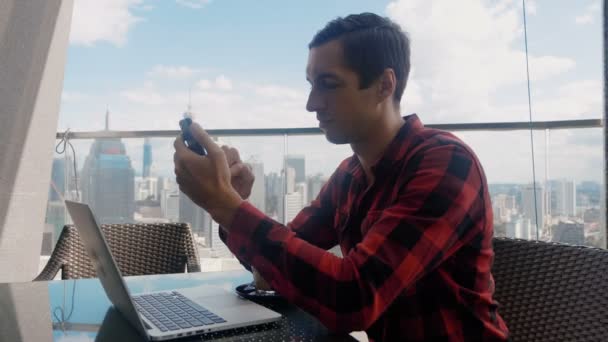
x: 533, y: 206
x: 169, y: 205
x: 290, y: 179
x: 147, y: 164
x: 564, y: 198
x: 274, y: 196
x: 569, y: 232
x: 199, y: 219
x: 293, y: 205
x: 258, y: 192
x: 218, y: 248
x: 298, y: 163
x: 107, y: 181
x: 55, y: 219
x: 57, y: 187
x: 146, y: 189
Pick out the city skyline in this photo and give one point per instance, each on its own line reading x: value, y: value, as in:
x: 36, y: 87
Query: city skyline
x: 563, y: 206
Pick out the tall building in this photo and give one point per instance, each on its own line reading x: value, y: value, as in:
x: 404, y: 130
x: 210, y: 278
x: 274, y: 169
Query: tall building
x: 503, y: 206
x: 564, y: 198
x: 218, y: 248
x: 55, y: 219
x: 315, y: 184
x: 520, y: 227
x: 298, y: 163
x: 169, y: 204
x: 274, y: 196
x: 569, y: 232
x: 108, y: 181
x: 529, y: 206
x: 290, y: 179
x: 258, y: 192
x: 147, y: 158
x: 293, y: 205
x: 146, y: 189
x: 57, y: 188
x: 199, y: 219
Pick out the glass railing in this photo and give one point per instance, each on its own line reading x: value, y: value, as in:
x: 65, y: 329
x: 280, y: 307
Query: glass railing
x: 128, y: 177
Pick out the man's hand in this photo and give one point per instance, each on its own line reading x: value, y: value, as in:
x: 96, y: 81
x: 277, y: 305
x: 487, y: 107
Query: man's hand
x: 241, y: 176
x: 206, y: 179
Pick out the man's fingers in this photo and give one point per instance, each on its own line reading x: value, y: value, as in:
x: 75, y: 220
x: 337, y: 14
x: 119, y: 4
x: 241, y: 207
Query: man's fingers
x: 241, y: 169
x: 181, y: 150
x: 204, y: 139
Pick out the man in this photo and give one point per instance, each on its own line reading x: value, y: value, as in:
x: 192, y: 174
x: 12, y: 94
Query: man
x: 410, y: 209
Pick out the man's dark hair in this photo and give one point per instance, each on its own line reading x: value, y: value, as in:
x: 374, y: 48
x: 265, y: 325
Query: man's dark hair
x: 371, y: 43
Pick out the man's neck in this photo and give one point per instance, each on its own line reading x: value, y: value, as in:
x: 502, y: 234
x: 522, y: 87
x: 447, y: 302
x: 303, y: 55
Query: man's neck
x: 370, y: 149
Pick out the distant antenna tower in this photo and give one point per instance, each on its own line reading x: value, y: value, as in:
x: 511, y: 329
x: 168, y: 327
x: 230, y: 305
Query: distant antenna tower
x: 107, y: 118
x: 188, y: 113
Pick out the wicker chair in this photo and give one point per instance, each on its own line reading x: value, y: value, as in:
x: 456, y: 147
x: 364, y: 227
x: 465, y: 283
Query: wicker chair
x: 137, y: 248
x: 551, y: 292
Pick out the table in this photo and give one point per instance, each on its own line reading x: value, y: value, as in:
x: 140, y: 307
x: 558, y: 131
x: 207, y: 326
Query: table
x: 32, y: 311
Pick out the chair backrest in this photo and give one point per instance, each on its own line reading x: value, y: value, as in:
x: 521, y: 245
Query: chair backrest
x: 137, y: 248
x: 551, y: 292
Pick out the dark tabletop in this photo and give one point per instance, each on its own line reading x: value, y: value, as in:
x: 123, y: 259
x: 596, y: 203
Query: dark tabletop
x: 35, y: 311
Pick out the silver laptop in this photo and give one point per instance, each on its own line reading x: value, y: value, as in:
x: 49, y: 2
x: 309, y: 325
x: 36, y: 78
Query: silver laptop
x: 168, y: 314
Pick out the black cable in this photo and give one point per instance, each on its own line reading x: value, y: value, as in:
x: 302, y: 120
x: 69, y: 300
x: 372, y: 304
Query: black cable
x: 530, y: 120
x: 65, y: 141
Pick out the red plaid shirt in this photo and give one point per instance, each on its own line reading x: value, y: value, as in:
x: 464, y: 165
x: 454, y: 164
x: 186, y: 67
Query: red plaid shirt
x: 417, y: 245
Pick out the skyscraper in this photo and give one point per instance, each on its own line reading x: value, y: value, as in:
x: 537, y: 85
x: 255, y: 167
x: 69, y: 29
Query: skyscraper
x: 529, y: 205
x: 147, y: 158
x: 564, y: 192
x: 57, y: 188
x: 169, y: 204
x: 199, y: 219
x: 569, y: 232
x: 298, y: 163
x: 108, y: 181
x: 274, y: 196
x: 258, y: 192
x: 290, y: 180
x: 293, y: 205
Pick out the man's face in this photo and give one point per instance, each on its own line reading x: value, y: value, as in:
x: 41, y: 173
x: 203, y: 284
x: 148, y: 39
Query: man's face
x: 344, y: 111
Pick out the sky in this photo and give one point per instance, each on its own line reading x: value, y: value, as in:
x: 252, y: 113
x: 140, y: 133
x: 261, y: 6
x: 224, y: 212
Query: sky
x: 243, y: 63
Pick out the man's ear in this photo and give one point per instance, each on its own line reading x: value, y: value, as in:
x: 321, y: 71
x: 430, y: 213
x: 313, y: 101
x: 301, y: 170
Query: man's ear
x: 387, y: 83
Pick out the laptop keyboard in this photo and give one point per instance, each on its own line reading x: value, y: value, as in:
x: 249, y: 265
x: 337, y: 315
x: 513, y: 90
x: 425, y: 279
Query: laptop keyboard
x: 172, y: 311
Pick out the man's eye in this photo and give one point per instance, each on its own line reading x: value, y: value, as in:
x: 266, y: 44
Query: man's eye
x: 328, y: 85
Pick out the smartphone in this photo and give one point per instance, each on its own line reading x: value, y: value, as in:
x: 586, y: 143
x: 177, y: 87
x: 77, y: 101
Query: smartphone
x: 189, y: 140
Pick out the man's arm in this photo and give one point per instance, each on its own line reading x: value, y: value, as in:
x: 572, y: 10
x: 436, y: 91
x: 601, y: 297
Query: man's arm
x: 439, y: 210
x: 314, y: 223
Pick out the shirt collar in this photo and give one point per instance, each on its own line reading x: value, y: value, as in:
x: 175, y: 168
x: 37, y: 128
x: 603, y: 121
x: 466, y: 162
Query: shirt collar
x: 397, y: 149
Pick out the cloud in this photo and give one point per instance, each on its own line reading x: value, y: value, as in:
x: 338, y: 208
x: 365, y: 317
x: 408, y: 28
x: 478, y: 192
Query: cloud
x: 221, y: 82
x: 146, y: 95
x: 577, y: 99
x: 531, y: 7
x: 464, y: 53
x: 195, y: 4
x: 108, y: 20
x: 73, y: 96
x: 590, y: 14
x: 584, y: 19
x: 280, y: 92
x: 177, y: 72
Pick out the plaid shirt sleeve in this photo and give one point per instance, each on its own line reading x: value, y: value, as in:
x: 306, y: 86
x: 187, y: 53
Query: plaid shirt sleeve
x: 437, y: 210
x: 313, y: 224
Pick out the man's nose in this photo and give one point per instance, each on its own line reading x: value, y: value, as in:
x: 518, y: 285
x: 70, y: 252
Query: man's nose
x: 315, y: 102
